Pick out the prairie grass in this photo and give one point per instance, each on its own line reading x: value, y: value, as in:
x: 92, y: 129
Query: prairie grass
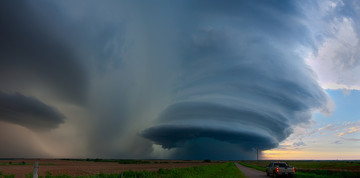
x: 222, y: 170
x: 314, y: 169
x: 6, y: 175
x: 324, y: 165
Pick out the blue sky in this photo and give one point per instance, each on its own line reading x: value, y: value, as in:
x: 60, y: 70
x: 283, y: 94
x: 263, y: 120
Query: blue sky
x: 343, y: 124
x: 347, y: 106
x: 331, y: 137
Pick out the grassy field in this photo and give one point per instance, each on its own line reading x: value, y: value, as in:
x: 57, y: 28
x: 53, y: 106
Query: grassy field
x: 316, y: 169
x: 6, y: 175
x: 226, y: 170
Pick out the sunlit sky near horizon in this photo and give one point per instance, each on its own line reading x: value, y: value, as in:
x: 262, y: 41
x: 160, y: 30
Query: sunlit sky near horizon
x: 332, y: 137
x: 180, y: 79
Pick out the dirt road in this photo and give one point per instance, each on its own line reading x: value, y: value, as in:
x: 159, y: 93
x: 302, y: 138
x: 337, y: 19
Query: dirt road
x: 251, y: 173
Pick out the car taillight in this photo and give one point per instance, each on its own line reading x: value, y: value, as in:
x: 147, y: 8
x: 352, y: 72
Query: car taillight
x: 277, y: 169
x: 293, y: 169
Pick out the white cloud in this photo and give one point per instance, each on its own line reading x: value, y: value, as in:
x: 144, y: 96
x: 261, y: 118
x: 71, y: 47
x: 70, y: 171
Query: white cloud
x: 300, y: 143
x: 352, y: 139
x: 337, y: 62
x: 306, y: 135
x: 337, y: 58
x: 350, y: 130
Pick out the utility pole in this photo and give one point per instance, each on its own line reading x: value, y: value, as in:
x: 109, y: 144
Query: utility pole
x: 36, y: 167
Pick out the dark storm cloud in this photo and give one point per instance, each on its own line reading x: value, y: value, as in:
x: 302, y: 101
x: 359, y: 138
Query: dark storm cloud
x: 28, y: 112
x: 224, y: 123
x: 213, y: 79
x: 243, y: 82
x: 206, y: 148
x: 32, y: 49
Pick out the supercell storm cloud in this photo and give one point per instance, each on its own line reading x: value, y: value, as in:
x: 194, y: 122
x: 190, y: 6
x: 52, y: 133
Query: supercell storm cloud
x: 201, y: 79
x: 242, y: 83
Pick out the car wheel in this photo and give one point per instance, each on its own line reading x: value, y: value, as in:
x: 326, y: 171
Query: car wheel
x: 274, y: 174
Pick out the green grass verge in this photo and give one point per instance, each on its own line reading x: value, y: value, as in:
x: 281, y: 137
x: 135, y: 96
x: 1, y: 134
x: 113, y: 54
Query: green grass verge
x: 6, y: 175
x: 225, y: 170
x: 324, y: 165
x: 261, y: 166
x: 325, y: 174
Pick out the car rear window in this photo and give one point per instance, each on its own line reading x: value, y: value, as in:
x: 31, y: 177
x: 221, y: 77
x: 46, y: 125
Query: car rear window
x: 280, y: 164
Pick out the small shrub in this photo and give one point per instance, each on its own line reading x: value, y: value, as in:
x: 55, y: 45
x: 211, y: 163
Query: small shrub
x: 207, y: 161
x: 129, y: 173
x: 162, y: 171
x: 48, y: 174
x: 29, y: 175
x: 97, y: 160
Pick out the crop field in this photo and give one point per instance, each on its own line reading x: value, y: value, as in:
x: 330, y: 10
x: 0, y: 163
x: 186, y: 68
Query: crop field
x: 114, y: 168
x: 315, y: 168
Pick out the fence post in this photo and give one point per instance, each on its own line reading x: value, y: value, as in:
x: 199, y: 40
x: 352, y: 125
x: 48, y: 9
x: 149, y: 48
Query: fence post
x: 36, y: 166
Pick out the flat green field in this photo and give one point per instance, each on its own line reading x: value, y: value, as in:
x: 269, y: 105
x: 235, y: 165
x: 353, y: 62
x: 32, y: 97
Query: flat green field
x: 315, y: 168
x: 225, y: 170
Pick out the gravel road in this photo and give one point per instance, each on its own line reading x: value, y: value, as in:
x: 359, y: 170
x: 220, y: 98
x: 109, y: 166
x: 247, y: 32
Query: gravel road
x: 251, y: 173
